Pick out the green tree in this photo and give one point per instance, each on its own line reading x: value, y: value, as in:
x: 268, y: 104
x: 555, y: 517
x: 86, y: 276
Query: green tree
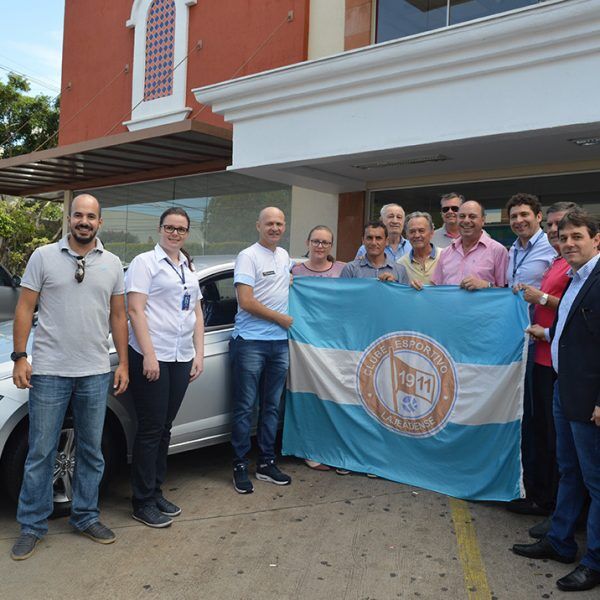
x: 26, y: 224
x: 26, y: 122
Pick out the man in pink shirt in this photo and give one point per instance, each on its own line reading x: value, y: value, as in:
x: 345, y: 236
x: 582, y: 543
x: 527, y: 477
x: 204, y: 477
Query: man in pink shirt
x: 473, y: 261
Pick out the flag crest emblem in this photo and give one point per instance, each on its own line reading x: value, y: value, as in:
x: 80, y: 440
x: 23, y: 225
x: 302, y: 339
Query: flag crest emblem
x: 407, y: 381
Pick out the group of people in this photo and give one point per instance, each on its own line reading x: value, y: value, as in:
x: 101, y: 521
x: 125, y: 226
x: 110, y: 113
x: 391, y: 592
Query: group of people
x: 557, y: 272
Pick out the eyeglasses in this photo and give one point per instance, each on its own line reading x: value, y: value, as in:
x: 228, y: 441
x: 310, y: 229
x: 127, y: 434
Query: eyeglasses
x: 173, y: 229
x: 317, y: 243
x: 80, y: 271
x: 445, y: 209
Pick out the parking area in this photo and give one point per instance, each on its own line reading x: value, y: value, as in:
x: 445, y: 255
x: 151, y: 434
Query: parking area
x: 324, y: 537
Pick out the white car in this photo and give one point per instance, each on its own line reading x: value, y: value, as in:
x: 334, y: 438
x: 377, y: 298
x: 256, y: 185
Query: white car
x: 205, y: 414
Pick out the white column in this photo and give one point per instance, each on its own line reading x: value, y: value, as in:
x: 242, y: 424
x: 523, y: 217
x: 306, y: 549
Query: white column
x: 310, y: 208
x: 67, y: 199
x: 326, y: 28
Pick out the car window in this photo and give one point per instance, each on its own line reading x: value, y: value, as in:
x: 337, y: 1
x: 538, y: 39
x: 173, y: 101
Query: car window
x: 5, y: 278
x: 219, y: 303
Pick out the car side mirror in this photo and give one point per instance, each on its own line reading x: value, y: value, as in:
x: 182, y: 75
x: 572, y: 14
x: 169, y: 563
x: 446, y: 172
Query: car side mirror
x: 16, y: 281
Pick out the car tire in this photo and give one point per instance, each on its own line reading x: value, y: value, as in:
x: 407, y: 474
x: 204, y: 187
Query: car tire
x: 13, y: 463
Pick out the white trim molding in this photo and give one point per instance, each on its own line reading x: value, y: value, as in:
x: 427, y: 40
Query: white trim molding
x: 166, y: 109
x: 524, y: 71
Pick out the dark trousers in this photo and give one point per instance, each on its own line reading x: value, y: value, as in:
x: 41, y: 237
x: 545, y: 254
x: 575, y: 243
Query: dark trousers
x: 528, y: 456
x: 545, y: 478
x: 156, y: 405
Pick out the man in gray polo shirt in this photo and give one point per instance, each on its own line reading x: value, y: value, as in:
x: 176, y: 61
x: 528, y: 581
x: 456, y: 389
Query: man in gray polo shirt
x: 376, y: 263
x: 78, y: 287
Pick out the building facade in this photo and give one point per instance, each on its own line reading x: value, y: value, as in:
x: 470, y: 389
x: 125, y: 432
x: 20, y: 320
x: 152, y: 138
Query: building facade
x: 327, y: 108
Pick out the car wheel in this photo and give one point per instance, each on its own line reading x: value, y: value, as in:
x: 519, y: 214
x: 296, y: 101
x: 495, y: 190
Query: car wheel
x: 13, y: 462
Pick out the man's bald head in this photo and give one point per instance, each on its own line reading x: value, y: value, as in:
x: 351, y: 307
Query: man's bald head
x: 85, y: 201
x: 270, y: 226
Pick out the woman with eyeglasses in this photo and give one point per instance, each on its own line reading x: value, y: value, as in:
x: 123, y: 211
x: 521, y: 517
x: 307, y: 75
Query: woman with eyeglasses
x: 166, y: 353
x: 320, y: 263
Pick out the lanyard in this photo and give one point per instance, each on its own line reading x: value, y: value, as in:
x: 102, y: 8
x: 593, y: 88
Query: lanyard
x: 180, y: 275
x: 516, y: 266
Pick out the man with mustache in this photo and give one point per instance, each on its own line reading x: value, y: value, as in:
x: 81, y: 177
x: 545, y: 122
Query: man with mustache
x: 78, y: 287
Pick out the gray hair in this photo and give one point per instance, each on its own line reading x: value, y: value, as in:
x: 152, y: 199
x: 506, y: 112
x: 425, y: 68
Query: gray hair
x: 386, y: 206
x: 418, y: 213
x: 561, y: 207
x: 451, y: 195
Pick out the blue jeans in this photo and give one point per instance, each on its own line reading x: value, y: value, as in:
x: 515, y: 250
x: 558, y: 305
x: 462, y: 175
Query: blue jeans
x: 259, y: 372
x: 48, y: 402
x: 578, y: 455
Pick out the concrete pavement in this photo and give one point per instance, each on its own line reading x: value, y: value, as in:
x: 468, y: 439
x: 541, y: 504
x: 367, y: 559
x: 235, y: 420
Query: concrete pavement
x: 324, y: 537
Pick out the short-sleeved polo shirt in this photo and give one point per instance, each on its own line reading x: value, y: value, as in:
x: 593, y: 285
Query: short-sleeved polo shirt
x: 442, y: 238
x: 362, y: 268
x: 164, y: 283
x: 268, y: 274
x: 71, y: 335
x: 417, y: 271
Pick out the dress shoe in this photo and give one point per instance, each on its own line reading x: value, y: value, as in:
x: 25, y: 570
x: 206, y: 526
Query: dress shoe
x: 541, y: 529
x: 582, y: 578
x: 525, y: 506
x: 541, y: 549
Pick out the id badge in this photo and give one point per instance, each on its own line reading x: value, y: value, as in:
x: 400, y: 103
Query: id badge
x: 185, y: 302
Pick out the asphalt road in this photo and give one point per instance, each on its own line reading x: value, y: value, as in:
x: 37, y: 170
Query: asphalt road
x: 324, y: 537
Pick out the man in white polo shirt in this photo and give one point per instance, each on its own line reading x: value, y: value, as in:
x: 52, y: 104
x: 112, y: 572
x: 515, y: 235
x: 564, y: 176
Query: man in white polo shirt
x: 259, y: 349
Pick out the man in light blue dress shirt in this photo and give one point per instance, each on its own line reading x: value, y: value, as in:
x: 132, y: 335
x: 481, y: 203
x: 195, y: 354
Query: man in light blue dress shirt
x: 529, y: 258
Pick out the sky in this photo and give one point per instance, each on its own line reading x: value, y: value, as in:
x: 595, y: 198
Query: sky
x: 31, y: 42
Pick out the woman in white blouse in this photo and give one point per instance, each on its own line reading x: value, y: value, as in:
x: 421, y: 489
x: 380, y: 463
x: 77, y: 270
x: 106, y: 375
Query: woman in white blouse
x: 166, y: 353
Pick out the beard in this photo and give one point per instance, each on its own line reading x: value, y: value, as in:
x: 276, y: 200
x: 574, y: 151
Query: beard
x: 78, y: 236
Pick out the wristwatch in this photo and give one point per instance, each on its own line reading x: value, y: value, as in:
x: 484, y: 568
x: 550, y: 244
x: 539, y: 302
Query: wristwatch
x: 15, y: 356
x: 544, y: 299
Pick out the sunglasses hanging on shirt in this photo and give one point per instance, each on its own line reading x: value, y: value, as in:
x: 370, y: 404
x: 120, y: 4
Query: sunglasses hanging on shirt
x: 80, y: 270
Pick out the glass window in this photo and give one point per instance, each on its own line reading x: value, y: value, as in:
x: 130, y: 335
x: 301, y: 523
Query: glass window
x: 581, y: 188
x: 400, y: 18
x: 219, y: 302
x: 467, y: 10
x: 222, y: 207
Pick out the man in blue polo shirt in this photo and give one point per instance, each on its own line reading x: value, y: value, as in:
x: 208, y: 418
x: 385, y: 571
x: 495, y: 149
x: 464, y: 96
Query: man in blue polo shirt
x: 259, y: 349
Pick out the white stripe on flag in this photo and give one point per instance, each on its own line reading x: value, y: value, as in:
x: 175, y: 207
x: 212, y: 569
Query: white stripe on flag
x: 330, y: 374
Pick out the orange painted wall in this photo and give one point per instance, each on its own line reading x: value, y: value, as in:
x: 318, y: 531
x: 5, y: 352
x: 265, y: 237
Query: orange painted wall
x: 97, y: 46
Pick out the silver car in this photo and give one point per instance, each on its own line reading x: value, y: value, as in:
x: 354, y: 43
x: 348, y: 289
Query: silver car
x: 204, y: 418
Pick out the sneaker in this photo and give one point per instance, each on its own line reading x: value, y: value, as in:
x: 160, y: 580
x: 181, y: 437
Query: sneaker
x: 268, y: 471
x: 150, y: 515
x: 241, y: 481
x: 167, y: 508
x: 24, y: 546
x: 340, y: 471
x: 372, y: 476
x: 99, y: 533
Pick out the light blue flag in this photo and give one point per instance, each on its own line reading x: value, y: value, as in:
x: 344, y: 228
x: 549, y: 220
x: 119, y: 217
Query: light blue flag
x: 423, y: 388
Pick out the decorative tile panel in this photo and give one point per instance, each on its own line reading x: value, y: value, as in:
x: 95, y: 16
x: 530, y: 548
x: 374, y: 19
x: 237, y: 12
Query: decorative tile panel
x: 160, y: 45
